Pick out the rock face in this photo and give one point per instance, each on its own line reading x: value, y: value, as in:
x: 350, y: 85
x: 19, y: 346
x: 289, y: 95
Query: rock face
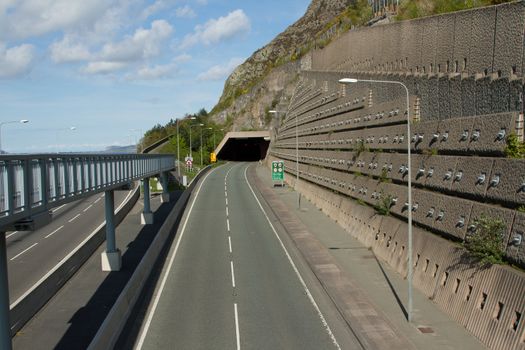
x: 256, y: 72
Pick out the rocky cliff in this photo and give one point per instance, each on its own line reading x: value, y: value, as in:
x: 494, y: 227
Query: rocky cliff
x: 260, y: 82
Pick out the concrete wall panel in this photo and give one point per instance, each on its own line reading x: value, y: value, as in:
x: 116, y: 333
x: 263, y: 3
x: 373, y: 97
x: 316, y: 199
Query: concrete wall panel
x: 509, y: 181
x: 455, y: 98
x: 510, y: 21
x: 481, y: 40
x: 488, y: 127
x: 501, y: 95
x: 514, y: 250
x: 483, y: 96
x: 444, y: 98
x: 445, y: 42
x: 468, y: 97
x: 467, y: 176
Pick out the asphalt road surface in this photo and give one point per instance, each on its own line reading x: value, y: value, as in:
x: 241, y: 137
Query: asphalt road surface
x: 231, y: 282
x: 32, y: 254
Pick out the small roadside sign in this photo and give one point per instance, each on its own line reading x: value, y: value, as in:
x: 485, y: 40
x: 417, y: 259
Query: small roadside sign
x: 213, y: 157
x: 278, y: 172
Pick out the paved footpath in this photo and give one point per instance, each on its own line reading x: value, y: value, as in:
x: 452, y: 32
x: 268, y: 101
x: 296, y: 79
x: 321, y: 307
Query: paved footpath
x: 365, y: 290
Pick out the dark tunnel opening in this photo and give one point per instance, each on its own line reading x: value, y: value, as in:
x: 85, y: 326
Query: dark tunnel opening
x: 244, y: 150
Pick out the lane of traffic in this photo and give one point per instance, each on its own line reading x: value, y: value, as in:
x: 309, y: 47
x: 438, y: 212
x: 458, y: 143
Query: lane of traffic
x: 39, y: 252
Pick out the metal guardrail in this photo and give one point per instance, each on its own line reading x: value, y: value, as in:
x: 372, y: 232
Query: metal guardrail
x: 30, y: 185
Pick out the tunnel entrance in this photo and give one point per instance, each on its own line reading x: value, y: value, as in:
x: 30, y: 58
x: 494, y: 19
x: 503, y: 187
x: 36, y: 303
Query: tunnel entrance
x: 244, y: 146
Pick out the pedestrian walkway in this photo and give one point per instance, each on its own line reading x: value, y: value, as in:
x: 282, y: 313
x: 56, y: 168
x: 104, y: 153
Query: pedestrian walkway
x: 369, y: 295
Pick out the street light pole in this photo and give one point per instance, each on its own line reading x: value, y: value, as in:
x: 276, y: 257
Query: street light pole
x: 22, y: 121
x: 409, y: 166
x: 191, y: 126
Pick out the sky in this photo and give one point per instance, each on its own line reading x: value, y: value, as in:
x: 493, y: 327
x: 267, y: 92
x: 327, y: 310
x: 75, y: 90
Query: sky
x: 98, y: 73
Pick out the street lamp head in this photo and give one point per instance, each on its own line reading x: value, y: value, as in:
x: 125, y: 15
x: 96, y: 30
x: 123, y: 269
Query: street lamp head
x: 272, y: 111
x: 348, y: 81
x: 24, y: 121
x: 201, y: 124
x: 192, y: 118
x: 73, y: 128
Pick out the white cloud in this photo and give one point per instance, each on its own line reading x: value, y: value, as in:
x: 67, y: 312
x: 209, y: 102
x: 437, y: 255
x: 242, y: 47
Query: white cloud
x: 103, y: 67
x: 220, y: 72
x: 157, y: 6
x: 185, y: 12
x: 145, y: 43
x: 154, y: 72
x: 16, y: 61
x: 29, y: 18
x: 67, y: 50
x: 216, y: 30
x: 159, y: 71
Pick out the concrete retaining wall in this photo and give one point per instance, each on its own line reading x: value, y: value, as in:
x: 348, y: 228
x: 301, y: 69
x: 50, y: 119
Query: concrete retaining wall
x: 487, y: 301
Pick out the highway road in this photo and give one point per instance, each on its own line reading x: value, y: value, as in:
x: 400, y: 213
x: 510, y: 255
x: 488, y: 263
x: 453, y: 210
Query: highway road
x: 32, y: 254
x: 232, y: 280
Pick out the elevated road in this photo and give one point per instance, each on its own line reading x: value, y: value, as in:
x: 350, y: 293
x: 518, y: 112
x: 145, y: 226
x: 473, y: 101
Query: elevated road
x: 229, y: 281
x: 31, y: 254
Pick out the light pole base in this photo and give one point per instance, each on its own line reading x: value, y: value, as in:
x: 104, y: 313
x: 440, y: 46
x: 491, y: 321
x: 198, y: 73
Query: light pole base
x: 111, y: 261
x: 146, y: 218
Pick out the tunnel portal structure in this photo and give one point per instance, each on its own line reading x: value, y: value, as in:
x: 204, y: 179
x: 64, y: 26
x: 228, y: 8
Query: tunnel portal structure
x: 244, y: 146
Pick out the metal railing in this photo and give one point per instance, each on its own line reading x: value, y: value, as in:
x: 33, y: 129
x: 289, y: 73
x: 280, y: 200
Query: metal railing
x: 32, y: 184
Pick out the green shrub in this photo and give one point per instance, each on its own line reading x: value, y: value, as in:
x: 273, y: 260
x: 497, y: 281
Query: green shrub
x: 384, y: 205
x: 485, y: 241
x: 515, y: 148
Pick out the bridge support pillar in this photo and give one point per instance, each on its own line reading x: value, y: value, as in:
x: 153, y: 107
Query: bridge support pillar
x: 111, y: 258
x: 147, y: 216
x: 165, y: 196
x: 5, y: 325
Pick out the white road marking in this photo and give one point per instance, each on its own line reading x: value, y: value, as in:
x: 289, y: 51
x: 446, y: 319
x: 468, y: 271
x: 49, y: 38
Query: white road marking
x: 60, y: 207
x: 226, y: 201
x: 22, y: 252
x: 98, y: 199
x: 74, y: 218
x: 226, y: 194
x: 12, y: 233
x: 230, y: 243
x: 310, y: 297
x: 149, y: 318
x: 227, y: 213
x: 237, y: 333
x: 233, y: 274
x: 52, y: 233
x: 228, y: 224
x: 89, y: 207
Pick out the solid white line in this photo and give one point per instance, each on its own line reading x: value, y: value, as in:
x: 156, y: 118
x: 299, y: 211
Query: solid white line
x: 237, y: 333
x: 12, y: 233
x: 52, y: 233
x: 312, y: 301
x: 233, y: 274
x: 89, y: 207
x: 61, y: 262
x: 60, y: 207
x: 74, y: 218
x: 98, y: 199
x: 227, y: 213
x: 230, y: 243
x: 228, y: 224
x: 22, y: 252
x: 149, y: 318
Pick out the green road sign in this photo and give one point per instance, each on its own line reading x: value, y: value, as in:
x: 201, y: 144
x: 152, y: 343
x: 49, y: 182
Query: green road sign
x: 278, y: 170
